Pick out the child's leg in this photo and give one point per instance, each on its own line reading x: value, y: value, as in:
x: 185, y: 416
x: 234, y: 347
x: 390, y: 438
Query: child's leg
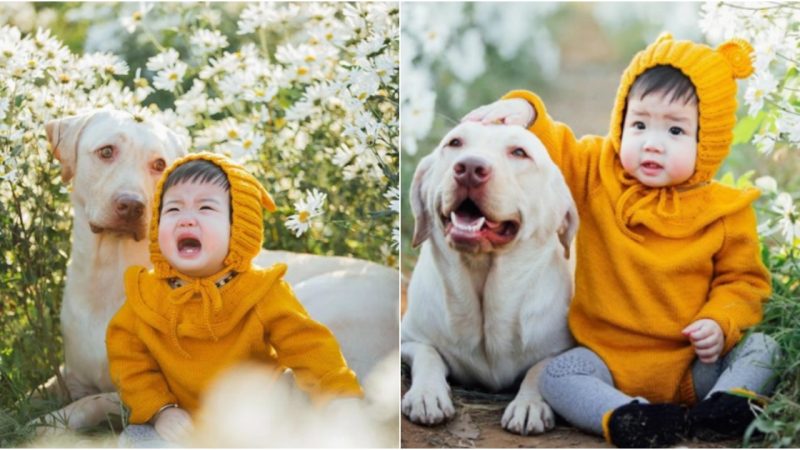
x: 747, y: 368
x: 578, y: 386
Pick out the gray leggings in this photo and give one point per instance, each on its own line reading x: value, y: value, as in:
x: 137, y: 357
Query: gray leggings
x: 578, y: 385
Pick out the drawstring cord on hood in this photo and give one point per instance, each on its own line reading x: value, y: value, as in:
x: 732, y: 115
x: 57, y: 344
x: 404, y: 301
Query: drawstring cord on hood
x: 624, y: 213
x: 211, y: 301
x: 248, y: 198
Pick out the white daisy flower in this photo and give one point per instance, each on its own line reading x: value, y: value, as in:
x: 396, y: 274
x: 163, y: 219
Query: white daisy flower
x: 307, y: 208
x: 208, y: 41
x: 168, y: 78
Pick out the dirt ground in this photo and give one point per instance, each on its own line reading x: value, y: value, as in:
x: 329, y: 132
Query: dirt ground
x: 477, y: 425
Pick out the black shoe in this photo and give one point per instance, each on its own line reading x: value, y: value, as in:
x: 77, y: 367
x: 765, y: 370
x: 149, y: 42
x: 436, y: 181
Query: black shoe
x: 721, y: 416
x: 640, y: 425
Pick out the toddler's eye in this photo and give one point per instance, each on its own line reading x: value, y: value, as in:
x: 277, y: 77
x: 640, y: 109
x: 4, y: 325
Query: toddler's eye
x: 169, y: 210
x: 206, y: 207
x: 639, y: 125
x: 676, y: 131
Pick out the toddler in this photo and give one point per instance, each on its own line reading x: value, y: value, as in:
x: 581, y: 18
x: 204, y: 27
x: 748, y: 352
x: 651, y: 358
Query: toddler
x: 668, y: 274
x: 204, y: 306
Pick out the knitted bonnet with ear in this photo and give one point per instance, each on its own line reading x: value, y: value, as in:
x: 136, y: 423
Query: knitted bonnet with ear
x: 248, y: 197
x: 713, y: 72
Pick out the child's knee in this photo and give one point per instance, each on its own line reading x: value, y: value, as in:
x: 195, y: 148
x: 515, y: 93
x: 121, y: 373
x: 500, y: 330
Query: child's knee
x: 576, y: 362
x: 762, y: 344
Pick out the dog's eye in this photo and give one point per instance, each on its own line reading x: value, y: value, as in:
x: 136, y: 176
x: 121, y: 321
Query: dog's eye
x: 159, y: 165
x: 455, y: 142
x: 519, y: 152
x: 106, y: 152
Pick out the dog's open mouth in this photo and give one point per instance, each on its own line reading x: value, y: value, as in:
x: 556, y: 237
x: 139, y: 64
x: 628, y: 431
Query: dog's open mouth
x: 189, y: 246
x: 468, y: 225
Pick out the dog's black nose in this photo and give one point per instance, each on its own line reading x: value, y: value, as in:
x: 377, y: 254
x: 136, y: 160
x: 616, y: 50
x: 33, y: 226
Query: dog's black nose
x: 129, y: 207
x: 472, y: 171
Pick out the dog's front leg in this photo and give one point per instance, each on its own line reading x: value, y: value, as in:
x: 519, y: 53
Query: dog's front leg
x: 528, y: 413
x: 428, y: 399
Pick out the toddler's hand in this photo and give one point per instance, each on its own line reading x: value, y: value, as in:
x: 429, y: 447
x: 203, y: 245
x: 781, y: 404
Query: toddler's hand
x: 174, y: 424
x: 707, y: 338
x: 514, y: 111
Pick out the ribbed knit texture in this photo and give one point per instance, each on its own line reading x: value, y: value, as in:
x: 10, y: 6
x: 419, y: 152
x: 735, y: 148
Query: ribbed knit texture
x: 260, y: 320
x: 248, y: 197
x: 713, y: 74
x: 166, y: 345
x: 680, y: 255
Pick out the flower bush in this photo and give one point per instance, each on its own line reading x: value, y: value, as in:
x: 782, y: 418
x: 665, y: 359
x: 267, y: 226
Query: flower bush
x: 305, y: 95
x: 772, y: 125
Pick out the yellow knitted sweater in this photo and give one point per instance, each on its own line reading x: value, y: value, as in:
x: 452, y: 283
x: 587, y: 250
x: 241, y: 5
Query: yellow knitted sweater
x: 651, y: 265
x: 260, y: 320
x: 165, y: 345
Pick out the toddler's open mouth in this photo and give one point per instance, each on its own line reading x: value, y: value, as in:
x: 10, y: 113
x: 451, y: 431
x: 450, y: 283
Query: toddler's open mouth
x: 189, y: 246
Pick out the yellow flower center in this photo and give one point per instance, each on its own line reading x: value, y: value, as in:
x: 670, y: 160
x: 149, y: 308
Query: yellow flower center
x: 302, y: 70
x: 64, y: 78
x: 173, y: 76
x: 247, y: 144
x: 233, y: 134
x: 303, y: 216
x: 137, y: 16
x: 311, y: 58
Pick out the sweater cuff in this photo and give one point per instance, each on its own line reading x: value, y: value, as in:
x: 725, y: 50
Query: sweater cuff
x: 542, y: 125
x: 143, y: 411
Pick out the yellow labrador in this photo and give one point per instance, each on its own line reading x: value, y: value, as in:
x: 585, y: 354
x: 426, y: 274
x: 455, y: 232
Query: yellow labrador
x: 113, y: 162
x: 488, y: 298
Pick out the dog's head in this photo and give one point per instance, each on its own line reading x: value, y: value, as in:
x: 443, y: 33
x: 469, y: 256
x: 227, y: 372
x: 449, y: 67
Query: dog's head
x: 114, y: 163
x: 486, y: 186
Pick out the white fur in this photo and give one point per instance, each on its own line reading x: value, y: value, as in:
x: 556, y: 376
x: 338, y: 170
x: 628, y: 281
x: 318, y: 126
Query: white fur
x: 493, y: 316
x: 358, y: 300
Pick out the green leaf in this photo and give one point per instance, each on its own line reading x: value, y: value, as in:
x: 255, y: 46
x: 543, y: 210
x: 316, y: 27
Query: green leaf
x: 746, y: 128
x: 727, y: 179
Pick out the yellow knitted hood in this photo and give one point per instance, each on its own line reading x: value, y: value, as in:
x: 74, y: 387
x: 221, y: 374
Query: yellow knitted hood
x: 713, y: 72
x: 248, y: 197
x: 196, y: 308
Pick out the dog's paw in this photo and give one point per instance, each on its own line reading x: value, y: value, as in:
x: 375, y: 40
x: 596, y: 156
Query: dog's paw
x: 428, y: 405
x: 526, y: 417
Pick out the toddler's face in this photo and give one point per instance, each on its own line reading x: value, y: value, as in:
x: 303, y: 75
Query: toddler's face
x: 194, y: 229
x: 659, y: 140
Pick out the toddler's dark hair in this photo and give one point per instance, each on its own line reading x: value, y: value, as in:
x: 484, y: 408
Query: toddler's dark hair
x: 196, y: 171
x: 666, y: 80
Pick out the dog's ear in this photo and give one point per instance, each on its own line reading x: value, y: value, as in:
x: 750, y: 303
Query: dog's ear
x: 63, y: 135
x: 422, y: 217
x: 569, y: 225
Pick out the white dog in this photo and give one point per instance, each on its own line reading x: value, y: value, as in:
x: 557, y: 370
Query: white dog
x: 488, y: 298
x: 114, y: 162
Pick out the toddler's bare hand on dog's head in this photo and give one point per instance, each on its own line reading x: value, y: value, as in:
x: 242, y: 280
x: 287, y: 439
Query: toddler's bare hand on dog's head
x: 515, y: 111
x: 707, y: 339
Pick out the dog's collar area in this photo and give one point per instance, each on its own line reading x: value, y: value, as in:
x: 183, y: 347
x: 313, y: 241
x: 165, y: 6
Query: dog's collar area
x: 175, y: 283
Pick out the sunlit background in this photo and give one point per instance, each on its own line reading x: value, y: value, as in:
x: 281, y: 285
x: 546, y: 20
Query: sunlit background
x: 458, y: 56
